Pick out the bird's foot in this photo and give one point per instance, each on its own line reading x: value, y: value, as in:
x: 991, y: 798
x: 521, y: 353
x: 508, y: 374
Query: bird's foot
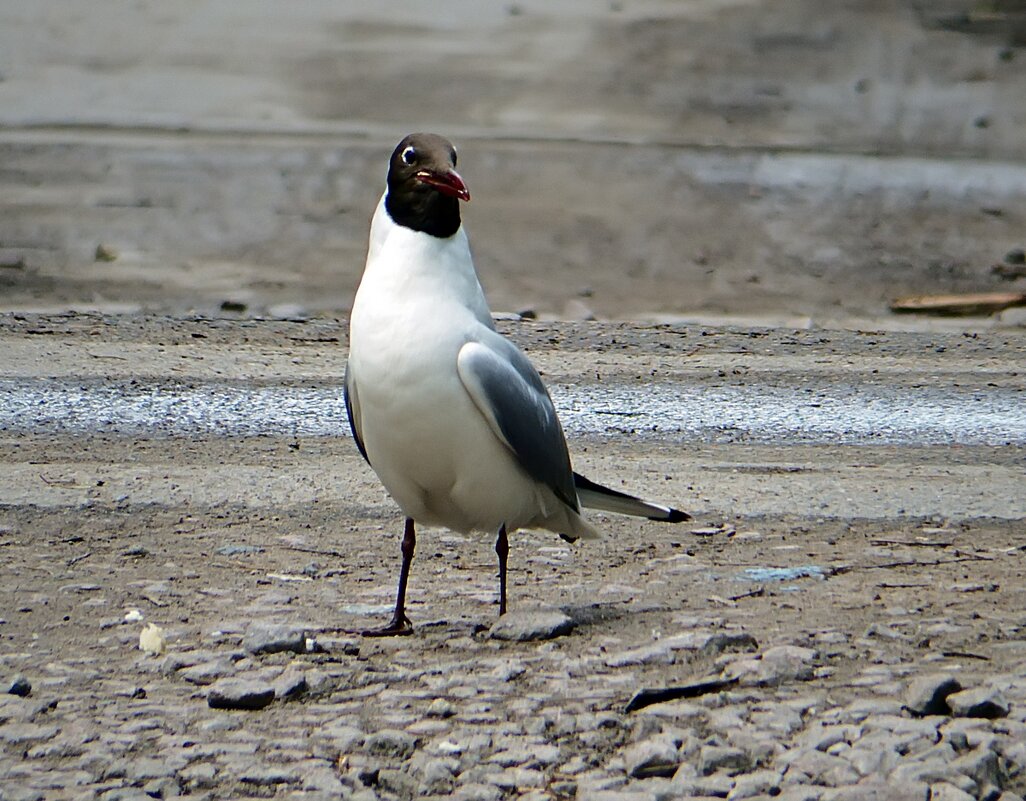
x: 399, y: 626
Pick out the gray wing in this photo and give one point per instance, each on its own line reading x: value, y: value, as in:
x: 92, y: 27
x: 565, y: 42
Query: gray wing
x: 510, y: 394
x: 353, y: 410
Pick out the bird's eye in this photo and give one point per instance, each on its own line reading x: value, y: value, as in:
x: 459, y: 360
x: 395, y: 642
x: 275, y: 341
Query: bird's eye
x: 454, y: 157
x: 409, y: 155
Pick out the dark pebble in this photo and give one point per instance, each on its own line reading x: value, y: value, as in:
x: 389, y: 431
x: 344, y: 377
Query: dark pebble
x: 272, y: 638
x: 240, y: 694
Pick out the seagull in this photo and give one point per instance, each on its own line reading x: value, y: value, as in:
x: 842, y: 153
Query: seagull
x: 451, y: 415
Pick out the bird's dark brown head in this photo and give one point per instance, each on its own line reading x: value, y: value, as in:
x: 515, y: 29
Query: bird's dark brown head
x: 424, y: 189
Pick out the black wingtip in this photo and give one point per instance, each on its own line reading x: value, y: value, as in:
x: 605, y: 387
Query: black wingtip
x: 674, y: 516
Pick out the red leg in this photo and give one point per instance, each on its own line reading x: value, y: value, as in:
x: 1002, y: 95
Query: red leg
x: 502, y: 550
x: 400, y: 624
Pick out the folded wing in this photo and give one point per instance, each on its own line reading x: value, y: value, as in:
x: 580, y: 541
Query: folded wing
x: 509, y: 393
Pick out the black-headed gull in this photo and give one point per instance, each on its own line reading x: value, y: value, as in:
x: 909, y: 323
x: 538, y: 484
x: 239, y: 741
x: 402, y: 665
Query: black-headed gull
x: 453, y: 418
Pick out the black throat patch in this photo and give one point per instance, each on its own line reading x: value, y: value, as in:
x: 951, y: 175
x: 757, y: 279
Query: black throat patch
x: 423, y: 208
x: 411, y: 202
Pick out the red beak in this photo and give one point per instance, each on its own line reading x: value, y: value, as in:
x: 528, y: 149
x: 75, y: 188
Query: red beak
x: 448, y: 183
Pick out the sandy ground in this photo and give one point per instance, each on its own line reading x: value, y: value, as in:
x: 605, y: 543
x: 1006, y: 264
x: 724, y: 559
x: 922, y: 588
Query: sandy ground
x: 669, y: 159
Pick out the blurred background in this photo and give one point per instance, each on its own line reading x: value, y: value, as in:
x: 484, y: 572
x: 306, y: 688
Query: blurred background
x: 674, y: 160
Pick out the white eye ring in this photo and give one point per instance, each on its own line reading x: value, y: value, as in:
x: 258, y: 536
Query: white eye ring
x: 409, y: 155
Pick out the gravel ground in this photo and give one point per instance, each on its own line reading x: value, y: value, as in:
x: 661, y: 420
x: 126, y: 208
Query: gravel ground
x: 807, y: 636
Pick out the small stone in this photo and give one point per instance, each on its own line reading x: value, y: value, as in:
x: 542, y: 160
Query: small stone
x: 320, y: 778
x: 440, y: 708
x: 272, y: 638
x: 729, y: 643
x: 859, y: 710
x: 239, y: 694
x: 476, y: 791
x: 714, y: 758
x: 397, y: 783
x: 717, y: 785
x: 290, y: 684
x: 265, y: 775
x: 981, y: 765
x: 927, y: 695
x: 508, y: 671
x: 437, y: 775
x: 821, y: 736
x: 519, y: 778
x: 531, y: 624
x: 874, y: 756
x: 774, y: 666
x: 391, y: 743
x: 654, y: 757
x: 19, y: 685
x: 757, y: 783
x: 981, y: 702
x: 930, y: 772
x: 948, y: 792
x: 198, y: 776
x: 881, y: 791
x: 342, y: 736
x: 821, y: 768
x: 105, y: 253
x: 208, y: 672
x: 333, y: 645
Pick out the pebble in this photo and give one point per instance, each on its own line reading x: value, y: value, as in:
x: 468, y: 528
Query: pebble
x: 981, y: 702
x: 441, y: 708
x: 716, y: 785
x: 208, y: 672
x: 391, y: 743
x: 333, y: 645
x: 239, y: 694
x: 477, y: 792
x: 877, y: 790
x: 266, y: 775
x: 739, y: 642
x: 19, y: 685
x: 272, y: 638
x: 290, y: 684
x: 981, y: 765
x: 713, y: 758
x: 820, y: 768
x: 927, y: 695
x: 948, y: 792
x: 756, y: 783
x: 531, y: 624
x: 653, y: 757
x: 774, y: 666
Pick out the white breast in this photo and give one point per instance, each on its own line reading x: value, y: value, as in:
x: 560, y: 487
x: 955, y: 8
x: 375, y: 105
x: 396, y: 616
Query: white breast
x: 418, y: 303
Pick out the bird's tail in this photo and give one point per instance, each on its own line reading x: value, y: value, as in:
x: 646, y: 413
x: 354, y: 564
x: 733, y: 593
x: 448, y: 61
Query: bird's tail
x: 595, y: 496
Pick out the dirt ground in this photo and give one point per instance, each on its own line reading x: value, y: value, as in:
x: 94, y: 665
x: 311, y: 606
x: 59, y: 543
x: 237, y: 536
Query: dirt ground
x: 890, y: 562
